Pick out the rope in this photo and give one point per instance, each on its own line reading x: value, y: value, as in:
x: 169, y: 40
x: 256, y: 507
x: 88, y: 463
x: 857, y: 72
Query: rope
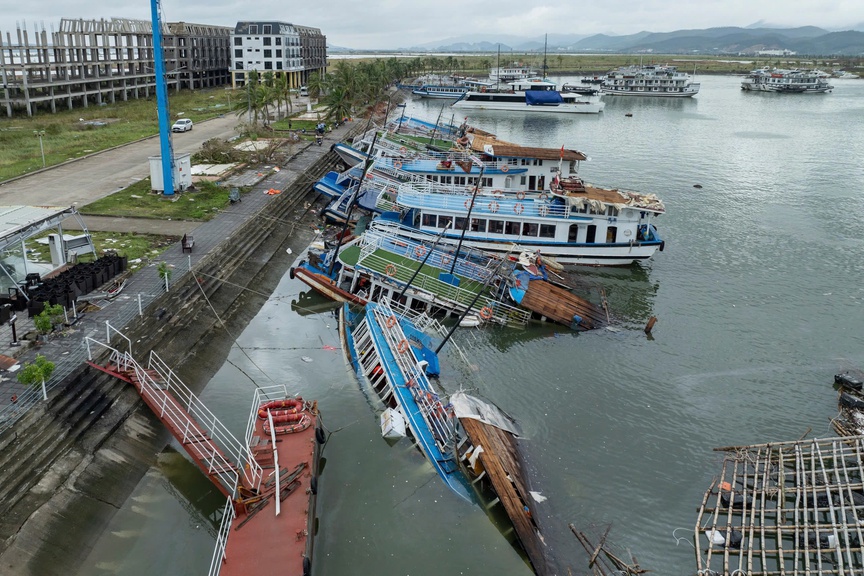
x: 678, y: 539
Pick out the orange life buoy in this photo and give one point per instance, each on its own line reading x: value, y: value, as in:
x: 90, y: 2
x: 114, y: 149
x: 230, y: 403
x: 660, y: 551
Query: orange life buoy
x: 390, y: 269
x: 397, y: 164
x: 420, y: 251
x: 291, y: 405
x: 370, y: 176
x: 505, y: 168
x: 402, y: 347
x: 486, y: 313
x: 468, y: 204
x: 390, y: 322
x: 446, y: 259
x: 518, y: 208
x: 520, y: 195
x: 403, y: 150
x: 493, y: 206
x: 543, y: 210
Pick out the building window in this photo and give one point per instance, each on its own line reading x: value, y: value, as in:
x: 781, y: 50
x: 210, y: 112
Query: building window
x: 238, y: 53
x: 278, y: 41
x: 253, y: 29
x: 278, y: 65
x: 268, y: 65
x: 278, y: 53
x: 268, y: 53
x: 238, y: 41
x: 238, y: 66
x: 267, y: 41
x: 266, y: 29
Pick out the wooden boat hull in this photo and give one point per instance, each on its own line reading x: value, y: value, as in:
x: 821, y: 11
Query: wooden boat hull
x: 325, y: 286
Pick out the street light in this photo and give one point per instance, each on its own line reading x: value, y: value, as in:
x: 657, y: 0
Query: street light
x: 39, y: 134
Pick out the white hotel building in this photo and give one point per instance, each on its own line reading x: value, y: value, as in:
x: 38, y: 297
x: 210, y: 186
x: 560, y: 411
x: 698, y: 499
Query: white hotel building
x: 277, y: 47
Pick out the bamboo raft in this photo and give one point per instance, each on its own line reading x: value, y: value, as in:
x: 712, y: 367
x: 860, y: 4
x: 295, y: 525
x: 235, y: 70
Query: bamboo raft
x: 790, y: 508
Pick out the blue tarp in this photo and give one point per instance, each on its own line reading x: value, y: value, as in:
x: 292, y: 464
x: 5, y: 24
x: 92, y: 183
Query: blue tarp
x: 543, y: 97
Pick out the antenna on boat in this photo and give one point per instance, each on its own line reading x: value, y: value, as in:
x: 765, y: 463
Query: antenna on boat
x: 476, y: 161
x: 369, y: 161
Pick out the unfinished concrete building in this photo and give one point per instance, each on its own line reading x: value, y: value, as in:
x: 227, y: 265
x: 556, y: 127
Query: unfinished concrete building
x: 92, y: 62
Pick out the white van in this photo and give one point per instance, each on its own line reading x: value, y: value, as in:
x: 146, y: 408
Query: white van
x: 304, y: 91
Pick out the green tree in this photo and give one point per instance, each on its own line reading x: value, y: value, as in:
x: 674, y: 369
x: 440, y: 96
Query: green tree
x: 37, y: 372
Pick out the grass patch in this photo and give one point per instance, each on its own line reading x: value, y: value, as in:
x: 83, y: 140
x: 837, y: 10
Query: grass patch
x: 66, y: 137
x: 143, y: 247
x: 137, y: 201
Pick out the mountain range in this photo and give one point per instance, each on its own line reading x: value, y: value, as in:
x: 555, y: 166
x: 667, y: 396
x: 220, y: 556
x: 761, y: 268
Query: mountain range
x: 806, y: 40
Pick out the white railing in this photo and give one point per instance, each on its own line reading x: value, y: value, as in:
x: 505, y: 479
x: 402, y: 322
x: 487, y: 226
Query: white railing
x: 222, y: 539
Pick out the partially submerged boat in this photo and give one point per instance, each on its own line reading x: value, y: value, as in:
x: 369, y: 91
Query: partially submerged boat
x: 276, y: 462
x: 396, y: 358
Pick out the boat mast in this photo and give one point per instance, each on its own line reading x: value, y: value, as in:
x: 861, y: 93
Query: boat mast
x: 498, y: 68
x: 545, y: 44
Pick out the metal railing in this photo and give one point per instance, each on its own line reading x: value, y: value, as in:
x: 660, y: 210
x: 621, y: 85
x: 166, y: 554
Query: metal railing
x: 222, y: 539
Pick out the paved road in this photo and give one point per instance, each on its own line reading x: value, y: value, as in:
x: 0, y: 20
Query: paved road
x: 102, y: 174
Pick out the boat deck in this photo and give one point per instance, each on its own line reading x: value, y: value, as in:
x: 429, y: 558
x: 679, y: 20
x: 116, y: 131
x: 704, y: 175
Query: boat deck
x: 561, y: 305
x: 263, y: 536
x: 500, y: 459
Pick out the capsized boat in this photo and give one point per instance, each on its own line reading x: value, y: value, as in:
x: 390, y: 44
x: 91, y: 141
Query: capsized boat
x: 396, y: 358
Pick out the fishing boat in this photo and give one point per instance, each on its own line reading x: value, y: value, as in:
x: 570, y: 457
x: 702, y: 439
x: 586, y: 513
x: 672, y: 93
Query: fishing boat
x: 529, y: 95
x: 270, y: 477
x: 575, y: 223
x: 795, y: 81
x: 649, y: 81
x: 396, y: 358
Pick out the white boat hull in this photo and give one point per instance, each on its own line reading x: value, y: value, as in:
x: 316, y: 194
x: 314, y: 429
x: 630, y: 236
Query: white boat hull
x: 649, y: 94
x: 565, y: 108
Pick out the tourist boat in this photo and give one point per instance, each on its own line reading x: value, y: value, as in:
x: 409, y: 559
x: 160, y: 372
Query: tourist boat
x: 511, y: 72
x: 649, y: 81
x: 276, y: 461
x: 575, y: 223
x: 381, y: 266
x: 578, y: 89
x: 592, y: 80
x: 440, y: 91
x: 529, y: 95
x: 396, y: 358
x: 794, y: 81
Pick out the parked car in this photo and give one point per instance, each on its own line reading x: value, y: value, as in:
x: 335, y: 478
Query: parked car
x: 182, y: 125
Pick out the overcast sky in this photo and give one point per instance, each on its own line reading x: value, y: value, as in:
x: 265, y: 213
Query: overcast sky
x: 392, y: 23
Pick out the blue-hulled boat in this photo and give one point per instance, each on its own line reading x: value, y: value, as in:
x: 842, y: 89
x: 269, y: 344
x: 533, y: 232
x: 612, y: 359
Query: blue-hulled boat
x: 395, y: 357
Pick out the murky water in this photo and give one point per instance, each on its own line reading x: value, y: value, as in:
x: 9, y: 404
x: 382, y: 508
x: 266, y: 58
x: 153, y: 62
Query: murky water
x: 759, y: 297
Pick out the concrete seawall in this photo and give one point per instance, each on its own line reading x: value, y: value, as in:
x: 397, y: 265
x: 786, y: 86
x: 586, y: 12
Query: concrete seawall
x: 67, y: 466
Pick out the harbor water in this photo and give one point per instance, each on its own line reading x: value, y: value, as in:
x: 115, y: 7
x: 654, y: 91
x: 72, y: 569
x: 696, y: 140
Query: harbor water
x: 759, y: 296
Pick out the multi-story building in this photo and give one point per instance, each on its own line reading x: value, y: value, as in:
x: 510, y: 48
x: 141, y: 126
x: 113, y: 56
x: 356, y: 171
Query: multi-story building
x: 198, y: 55
x: 277, y: 47
x: 92, y: 62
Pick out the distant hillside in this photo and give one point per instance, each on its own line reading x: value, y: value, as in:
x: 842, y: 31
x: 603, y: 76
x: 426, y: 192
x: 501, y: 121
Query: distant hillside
x: 725, y: 40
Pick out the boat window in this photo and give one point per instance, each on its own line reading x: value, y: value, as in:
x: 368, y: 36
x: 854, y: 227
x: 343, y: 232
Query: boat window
x: 573, y: 233
x: 547, y: 230
x: 611, y: 211
x: 541, y: 183
x: 529, y: 229
x: 591, y: 234
x: 430, y: 220
x: 523, y: 180
x: 511, y: 228
x: 460, y: 223
x: 459, y: 180
x: 611, y: 234
x: 487, y: 182
x: 445, y: 221
x: 478, y: 225
x: 446, y: 179
x: 496, y: 226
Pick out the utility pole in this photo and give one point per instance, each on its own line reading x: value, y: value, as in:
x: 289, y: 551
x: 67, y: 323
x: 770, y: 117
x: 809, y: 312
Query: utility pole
x: 165, y: 146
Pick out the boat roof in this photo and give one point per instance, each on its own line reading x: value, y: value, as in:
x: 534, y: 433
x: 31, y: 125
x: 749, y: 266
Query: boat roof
x: 483, y: 142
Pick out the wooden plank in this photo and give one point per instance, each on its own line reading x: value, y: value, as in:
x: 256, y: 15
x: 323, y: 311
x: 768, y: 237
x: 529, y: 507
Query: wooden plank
x: 561, y: 305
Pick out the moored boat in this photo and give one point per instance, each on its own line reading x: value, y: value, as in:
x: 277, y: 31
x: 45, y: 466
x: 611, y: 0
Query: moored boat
x: 529, y: 95
x: 649, y: 81
x: 440, y: 91
x: 795, y: 81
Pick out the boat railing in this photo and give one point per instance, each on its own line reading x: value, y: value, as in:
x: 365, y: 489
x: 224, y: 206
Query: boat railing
x: 262, y: 396
x: 503, y: 205
x: 218, y: 557
x: 439, y: 421
x: 460, y: 297
x: 227, y: 449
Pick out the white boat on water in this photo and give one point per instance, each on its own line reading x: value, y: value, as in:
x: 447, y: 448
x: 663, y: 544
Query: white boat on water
x: 442, y: 91
x: 511, y: 72
x: 530, y: 95
x: 649, y: 81
x: 795, y: 81
x: 574, y: 223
